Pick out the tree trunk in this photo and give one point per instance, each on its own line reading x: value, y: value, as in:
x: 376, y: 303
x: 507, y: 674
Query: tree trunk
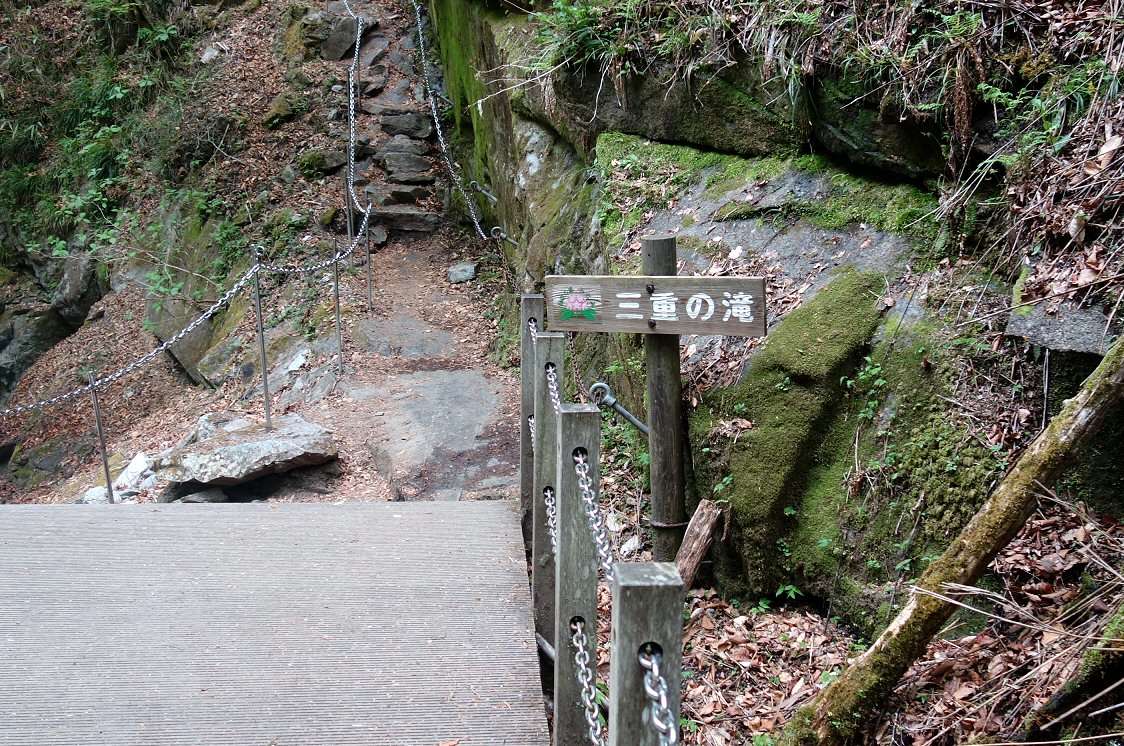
x: 842, y: 712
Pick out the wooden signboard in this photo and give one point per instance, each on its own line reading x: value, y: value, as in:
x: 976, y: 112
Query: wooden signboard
x: 733, y: 306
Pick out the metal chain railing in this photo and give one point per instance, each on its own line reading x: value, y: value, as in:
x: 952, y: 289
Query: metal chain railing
x: 317, y: 266
x: 553, y: 388
x: 593, y: 516
x: 551, y: 503
x: 144, y: 359
x: 587, y: 681
x: 248, y: 276
x: 446, y: 158
x: 660, y: 717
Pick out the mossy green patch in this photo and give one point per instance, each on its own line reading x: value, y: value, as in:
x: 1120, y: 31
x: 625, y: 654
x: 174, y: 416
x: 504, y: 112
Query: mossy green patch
x: 789, y: 393
x: 902, y: 209
x: 639, y: 175
x: 284, y: 108
x: 893, y: 479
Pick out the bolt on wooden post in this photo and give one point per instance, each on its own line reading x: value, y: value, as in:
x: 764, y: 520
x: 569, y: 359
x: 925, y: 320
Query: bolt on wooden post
x: 647, y: 617
x: 579, y: 429
x: 665, y: 413
x: 530, y: 308
x: 550, y: 349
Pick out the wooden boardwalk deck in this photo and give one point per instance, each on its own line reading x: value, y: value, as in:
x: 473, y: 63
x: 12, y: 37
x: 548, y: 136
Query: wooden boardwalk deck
x: 266, y: 625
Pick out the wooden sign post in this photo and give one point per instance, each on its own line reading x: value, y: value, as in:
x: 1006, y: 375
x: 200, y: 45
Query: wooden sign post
x: 662, y: 306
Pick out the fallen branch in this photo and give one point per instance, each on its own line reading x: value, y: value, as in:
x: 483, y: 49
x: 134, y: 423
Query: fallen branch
x: 843, y: 711
x: 697, y: 540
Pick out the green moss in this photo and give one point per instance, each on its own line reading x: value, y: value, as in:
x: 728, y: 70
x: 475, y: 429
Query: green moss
x: 1096, y: 479
x: 895, y: 208
x: 789, y: 393
x: 731, y: 115
x: 460, y: 41
x: 317, y: 162
x: 890, y: 482
x: 638, y: 175
x: 738, y: 173
x: 284, y: 108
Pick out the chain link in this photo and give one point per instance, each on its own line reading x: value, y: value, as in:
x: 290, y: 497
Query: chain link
x: 360, y: 235
x: 141, y: 361
x: 587, y: 682
x: 593, y: 516
x: 450, y: 165
x: 658, y: 712
x: 552, y: 518
x: 531, y: 429
x: 533, y: 327
x: 552, y: 386
x: 316, y: 267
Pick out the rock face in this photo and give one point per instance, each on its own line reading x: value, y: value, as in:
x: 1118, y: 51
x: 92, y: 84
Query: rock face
x: 224, y: 450
x: 341, y: 39
x: 403, y: 337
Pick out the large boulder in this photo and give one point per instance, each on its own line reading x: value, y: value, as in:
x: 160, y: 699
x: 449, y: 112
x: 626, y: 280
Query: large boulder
x: 225, y: 450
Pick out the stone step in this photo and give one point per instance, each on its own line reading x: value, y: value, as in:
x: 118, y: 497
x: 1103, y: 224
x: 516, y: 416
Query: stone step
x: 408, y: 218
x: 407, y: 168
x: 390, y: 194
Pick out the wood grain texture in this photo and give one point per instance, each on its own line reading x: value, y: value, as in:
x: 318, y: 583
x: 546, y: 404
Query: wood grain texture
x: 549, y: 349
x: 531, y: 307
x: 609, y: 297
x: 579, y: 426
x: 697, y: 540
x: 255, y: 624
x: 665, y: 418
x: 647, y: 608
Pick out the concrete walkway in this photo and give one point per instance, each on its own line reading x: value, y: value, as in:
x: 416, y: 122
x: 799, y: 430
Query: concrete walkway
x: 397, y: 624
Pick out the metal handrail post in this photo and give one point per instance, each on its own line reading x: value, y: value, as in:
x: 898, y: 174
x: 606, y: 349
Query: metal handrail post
x: 101, y: 439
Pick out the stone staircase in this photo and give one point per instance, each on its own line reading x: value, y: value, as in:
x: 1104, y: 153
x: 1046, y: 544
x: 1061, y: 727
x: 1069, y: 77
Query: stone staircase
x: 397, y: 166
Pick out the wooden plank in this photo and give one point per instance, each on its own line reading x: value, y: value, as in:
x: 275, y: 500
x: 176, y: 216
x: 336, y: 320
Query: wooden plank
x: 647, y: 609
x: 697, y: 540
x: 530, y: 307
x: 254, y: 624
x: 550, y: 349
x: 665, y: 418
x: 579, y: 426
x: 661, y: 304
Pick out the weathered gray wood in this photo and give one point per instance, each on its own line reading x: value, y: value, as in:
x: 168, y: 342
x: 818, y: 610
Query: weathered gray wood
x: 665, y: 417
x: 248, y: 625
x: 530, y: 307
x: 579, y: 427
x: 697, y: 540
x: 550, y: 349
x: 647, y: 609
x: 734, y: 306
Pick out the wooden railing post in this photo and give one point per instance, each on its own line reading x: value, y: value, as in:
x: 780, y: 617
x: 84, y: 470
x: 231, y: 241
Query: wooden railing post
x: 665, y: 416
x: 549, y: 350
x: 530, y: 307
x: 647, y: 612
x: 579, y: 427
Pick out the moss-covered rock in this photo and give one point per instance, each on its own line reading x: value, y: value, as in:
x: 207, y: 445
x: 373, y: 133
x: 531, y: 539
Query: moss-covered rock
x: 284, y: 108
x: 790, y: 393
x: 872, y: 132
x: 893, y: 480
x: 319, y: 162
